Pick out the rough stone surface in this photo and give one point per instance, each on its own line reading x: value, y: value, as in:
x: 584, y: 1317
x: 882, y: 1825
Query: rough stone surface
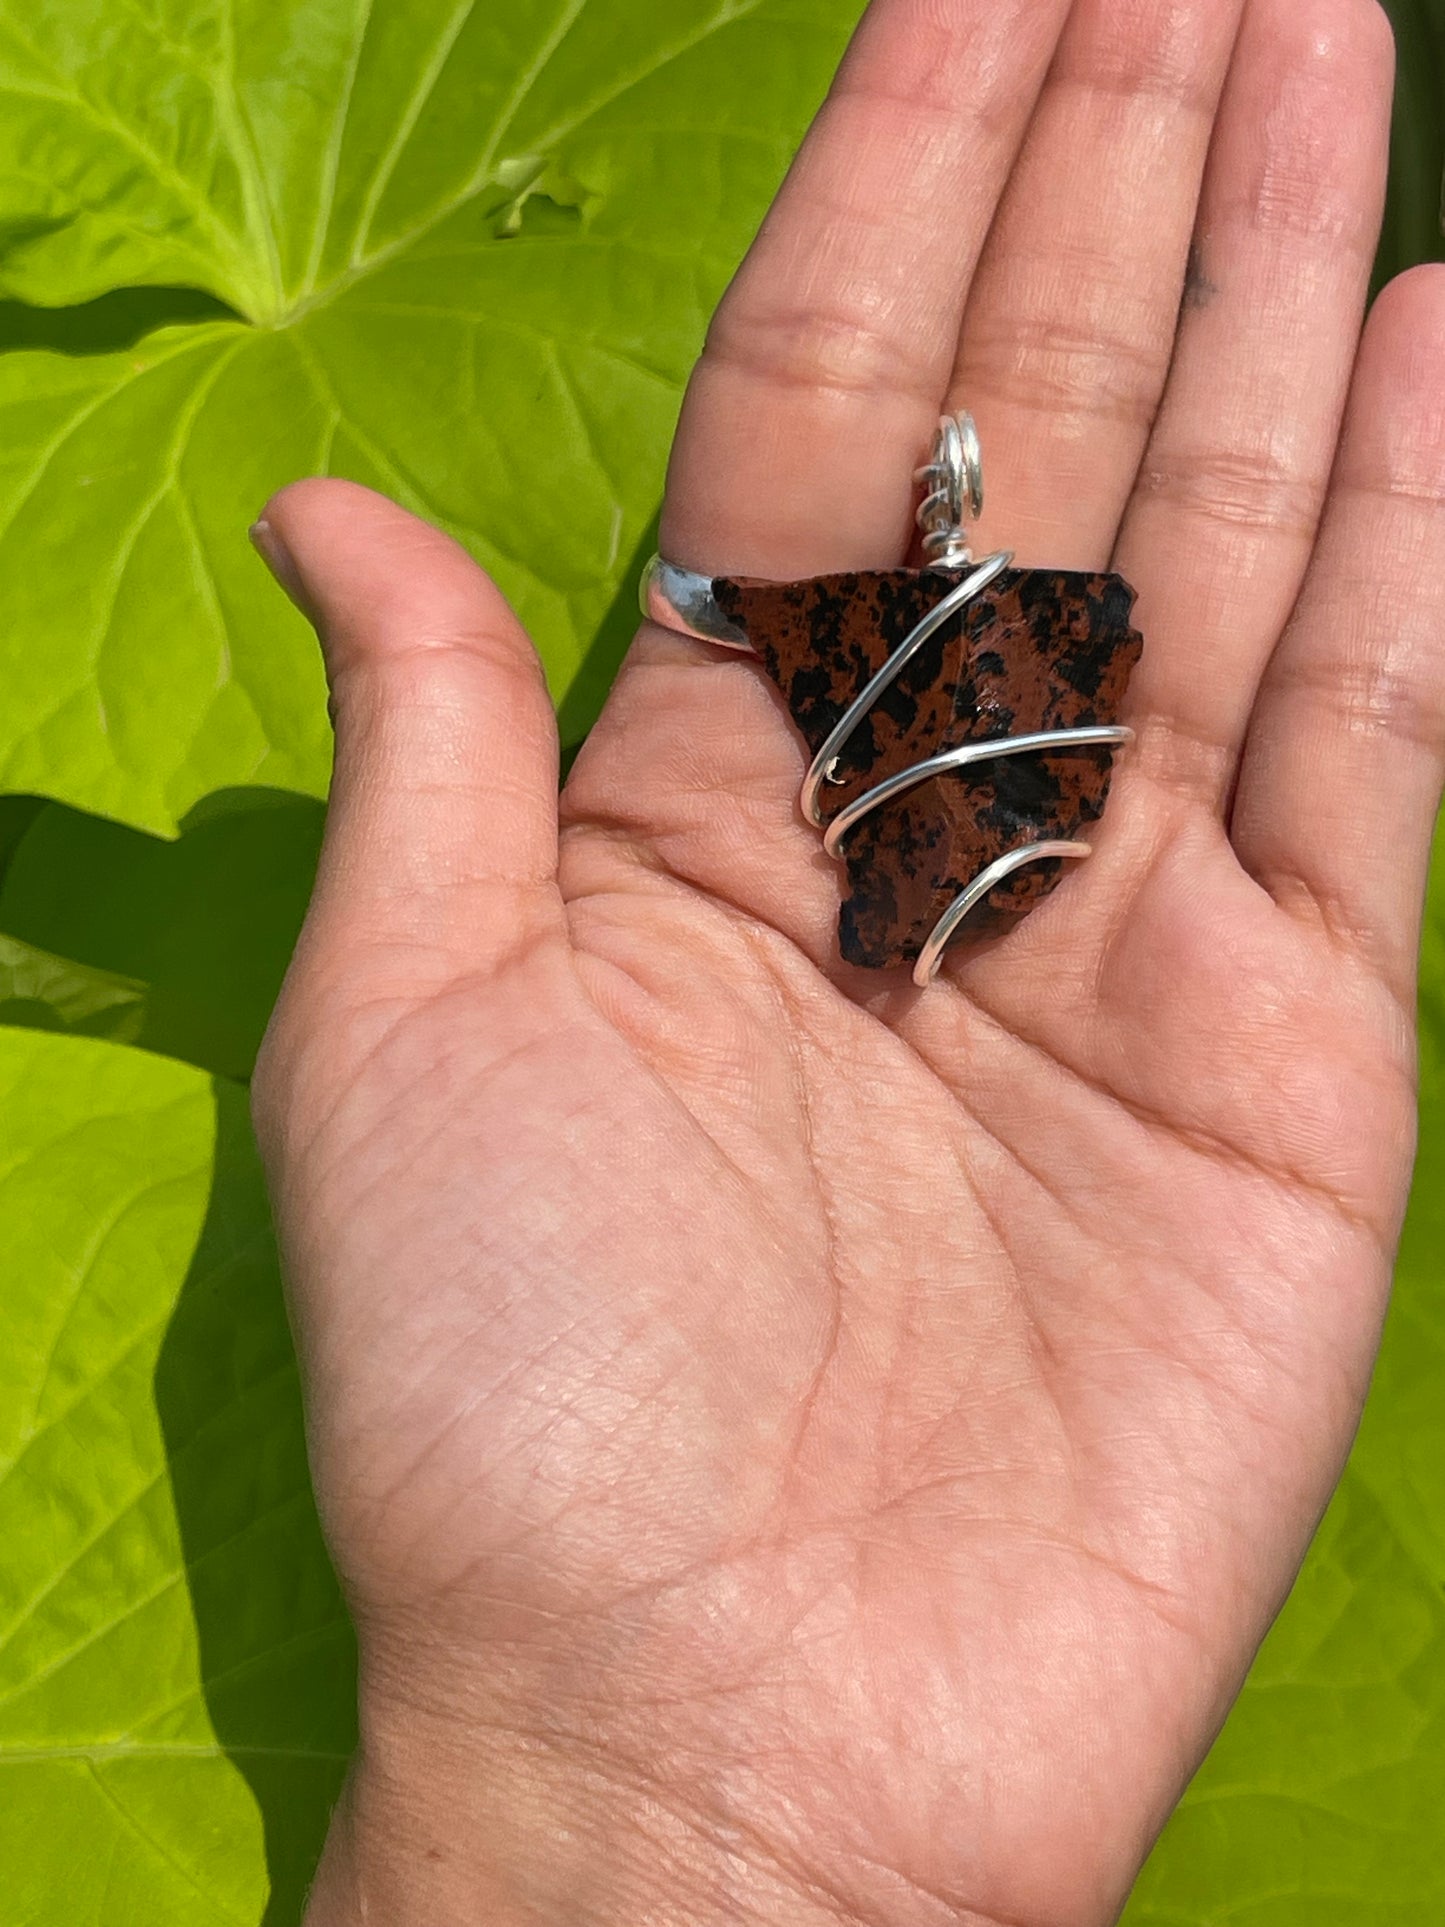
x: 1039, y: 649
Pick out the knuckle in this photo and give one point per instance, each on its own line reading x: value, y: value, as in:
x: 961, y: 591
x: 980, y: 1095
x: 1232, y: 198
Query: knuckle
x: 821, y: 348
x: 1239, y: 488
x: 1054, y: 364
x: 941, y: 58
x: 449, y: 674
x: 1142, y: 49
x: 904, y: 91
x: 1385, y: 696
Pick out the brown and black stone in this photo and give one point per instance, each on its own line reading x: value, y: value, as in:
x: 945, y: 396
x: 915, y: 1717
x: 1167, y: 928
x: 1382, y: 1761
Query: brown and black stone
x: 1038, y: 649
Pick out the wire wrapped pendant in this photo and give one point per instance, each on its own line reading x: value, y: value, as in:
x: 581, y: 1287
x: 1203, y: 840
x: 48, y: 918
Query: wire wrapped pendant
x: 962, y: 718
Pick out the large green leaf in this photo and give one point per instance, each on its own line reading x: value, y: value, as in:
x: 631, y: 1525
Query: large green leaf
x: 444, y: 246
x: 466, y: 253
x: 176, y: 1671
x: 1322, y: 1802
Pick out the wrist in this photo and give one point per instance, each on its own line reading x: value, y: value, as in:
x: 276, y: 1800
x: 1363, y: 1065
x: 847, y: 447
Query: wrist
x: 448, y: 1821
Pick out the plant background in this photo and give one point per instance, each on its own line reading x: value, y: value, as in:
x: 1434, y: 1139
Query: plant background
x: 431, y: 245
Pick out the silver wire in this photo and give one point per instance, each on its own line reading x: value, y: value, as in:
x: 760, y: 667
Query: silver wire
x: 954, y: 481
x: 930, y: 957
x: 820, y: 770
x: 960, y: 758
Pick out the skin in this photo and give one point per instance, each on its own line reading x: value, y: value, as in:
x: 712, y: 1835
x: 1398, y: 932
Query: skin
x: 801, y: 1450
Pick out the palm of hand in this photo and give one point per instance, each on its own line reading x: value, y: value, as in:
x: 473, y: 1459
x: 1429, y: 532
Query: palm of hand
x: 875, y: 1426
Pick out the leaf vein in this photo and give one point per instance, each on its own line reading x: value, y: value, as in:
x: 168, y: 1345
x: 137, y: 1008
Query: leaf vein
x: 478, y: 178
x: 331, y: 164
x: 169, y: 475
x: 77, y: 103
x: 207, y: 1683
x: 532, y: 330
x: 74, y: 423
x: 506, y: 119
x: 162, y: 1853
x: 136, y: 1606
x: 431, y: 73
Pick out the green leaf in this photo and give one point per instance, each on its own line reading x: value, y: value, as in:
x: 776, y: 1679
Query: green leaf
x: 465, y: 254
x: 194, y: 934
x: 1320, y: 1805
x: 176, y: 1670
x: 39, y: 991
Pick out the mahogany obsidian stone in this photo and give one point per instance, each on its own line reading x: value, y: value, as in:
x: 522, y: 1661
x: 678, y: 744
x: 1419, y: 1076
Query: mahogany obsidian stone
x: 1038, y: 649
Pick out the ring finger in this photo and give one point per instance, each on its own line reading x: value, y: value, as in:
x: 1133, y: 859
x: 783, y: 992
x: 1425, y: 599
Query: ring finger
x: 1071, y: 321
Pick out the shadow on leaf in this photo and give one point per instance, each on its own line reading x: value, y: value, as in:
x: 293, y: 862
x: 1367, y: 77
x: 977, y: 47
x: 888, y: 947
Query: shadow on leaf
x: 196, y: 932
x: 277, y: 1656
x: 110, y: 323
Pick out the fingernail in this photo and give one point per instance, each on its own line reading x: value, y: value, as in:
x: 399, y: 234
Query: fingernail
x: 279, y: 560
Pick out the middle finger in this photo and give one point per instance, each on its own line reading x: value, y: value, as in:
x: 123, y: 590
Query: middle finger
x: 1070, y: 325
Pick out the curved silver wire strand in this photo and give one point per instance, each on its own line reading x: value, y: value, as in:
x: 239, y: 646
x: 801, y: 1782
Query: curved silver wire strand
x: 820, y: 769
x: 953, y: 481
x: 931, y: 955
x: 986, y: 751
x: 961, y: 757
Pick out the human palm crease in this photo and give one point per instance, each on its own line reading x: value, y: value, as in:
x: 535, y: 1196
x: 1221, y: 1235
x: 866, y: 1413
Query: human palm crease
x: 839, y: 1445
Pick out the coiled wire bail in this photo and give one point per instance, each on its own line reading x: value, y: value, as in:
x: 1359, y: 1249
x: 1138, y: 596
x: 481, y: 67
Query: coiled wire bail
x: 952, y: 482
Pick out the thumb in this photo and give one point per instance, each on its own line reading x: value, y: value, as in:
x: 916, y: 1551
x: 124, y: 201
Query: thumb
x: 440, y: 854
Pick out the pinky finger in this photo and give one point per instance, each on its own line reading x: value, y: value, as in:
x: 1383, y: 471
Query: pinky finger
x: 1342, y: 772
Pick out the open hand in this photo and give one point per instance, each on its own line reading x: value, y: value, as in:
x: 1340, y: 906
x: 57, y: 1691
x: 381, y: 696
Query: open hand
x: 801, y: 1449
